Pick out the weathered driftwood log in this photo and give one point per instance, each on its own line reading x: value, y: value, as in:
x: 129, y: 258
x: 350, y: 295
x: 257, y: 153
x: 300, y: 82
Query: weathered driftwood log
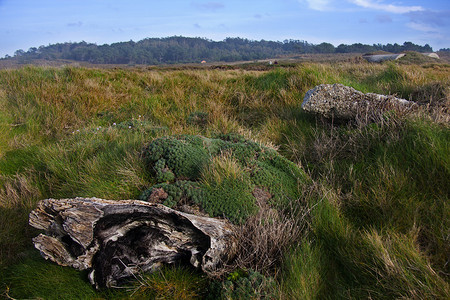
x: 116, y: 239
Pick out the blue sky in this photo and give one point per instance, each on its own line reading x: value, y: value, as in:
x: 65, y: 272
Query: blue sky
x: 32, y: 23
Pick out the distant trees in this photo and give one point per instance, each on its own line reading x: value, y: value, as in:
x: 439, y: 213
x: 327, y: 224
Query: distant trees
x: 324, y: 48
x: 357, y: 48
x: 178, y: 49
x: 19, y: 52
x: 395, y: 48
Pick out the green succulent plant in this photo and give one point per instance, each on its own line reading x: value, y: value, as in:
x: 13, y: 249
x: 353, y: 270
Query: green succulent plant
x: 244, y: 285
x: 225, y: 175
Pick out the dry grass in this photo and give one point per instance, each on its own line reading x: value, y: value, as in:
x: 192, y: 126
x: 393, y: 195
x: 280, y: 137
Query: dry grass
x: 267, y: 236
x: 401, y: 266
x: 19, y: 191
x: 264, y: 238
x: 222, y: 167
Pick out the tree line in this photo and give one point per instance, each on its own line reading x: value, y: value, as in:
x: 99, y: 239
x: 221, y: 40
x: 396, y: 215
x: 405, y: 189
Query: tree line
x: 178, y: 49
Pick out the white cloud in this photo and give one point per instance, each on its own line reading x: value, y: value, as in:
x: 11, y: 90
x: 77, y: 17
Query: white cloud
x: 379, y: 5
x: 324, y: 5
x: 436, y: 18
x: 318, y: 4
x: 430, y: 22
x: 422, y: 27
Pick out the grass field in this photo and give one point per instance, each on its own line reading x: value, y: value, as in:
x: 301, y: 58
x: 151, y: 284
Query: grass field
x: 373, y: 222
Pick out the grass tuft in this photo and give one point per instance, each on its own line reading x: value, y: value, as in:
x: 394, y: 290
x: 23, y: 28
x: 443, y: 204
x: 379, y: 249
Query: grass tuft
x: 170, y: 283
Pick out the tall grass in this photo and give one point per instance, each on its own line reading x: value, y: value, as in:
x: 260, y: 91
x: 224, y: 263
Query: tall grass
x: 170, y: 283
x: 374, y: 224
x: 372, y: 263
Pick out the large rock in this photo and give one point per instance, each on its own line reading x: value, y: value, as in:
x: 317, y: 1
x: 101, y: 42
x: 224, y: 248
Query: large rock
x: 382, y: 57
x: 338, y: 101
x: 432, y: 55
x: 116, y: 239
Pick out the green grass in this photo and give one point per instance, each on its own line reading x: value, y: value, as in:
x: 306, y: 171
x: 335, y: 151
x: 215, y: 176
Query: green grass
x: 170, y: 283
x: 377, y: 210
x: 35, y: 278
x: 395, y: 176
x: 304, y: 272
x: 379, y: 264
x: 84, y: 162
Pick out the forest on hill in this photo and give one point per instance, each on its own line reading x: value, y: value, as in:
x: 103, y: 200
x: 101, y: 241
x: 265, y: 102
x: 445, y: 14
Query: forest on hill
x: 178, y: 49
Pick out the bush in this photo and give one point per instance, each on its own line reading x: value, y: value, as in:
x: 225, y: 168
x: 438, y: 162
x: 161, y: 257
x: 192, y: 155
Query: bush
x: 221, y: 175
x: 244, y: 285
x: 412, y: 57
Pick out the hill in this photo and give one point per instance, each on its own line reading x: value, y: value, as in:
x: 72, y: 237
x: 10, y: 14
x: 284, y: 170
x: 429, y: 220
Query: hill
x: 177, y: 49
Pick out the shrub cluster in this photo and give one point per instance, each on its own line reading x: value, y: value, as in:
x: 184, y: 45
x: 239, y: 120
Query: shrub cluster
x: 220, y: 174
x: 244, y: 285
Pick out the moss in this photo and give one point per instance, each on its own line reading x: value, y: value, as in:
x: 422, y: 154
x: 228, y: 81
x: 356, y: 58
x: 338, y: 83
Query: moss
x: 178, y: 192
x: 162, y: 173
x: 230, y: 198
x: 219, y: 174
x: 184, y: 155
x: 270, y: 170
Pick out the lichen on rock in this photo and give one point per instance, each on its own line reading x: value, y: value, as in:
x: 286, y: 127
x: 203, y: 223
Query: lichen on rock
x: 337, y: 101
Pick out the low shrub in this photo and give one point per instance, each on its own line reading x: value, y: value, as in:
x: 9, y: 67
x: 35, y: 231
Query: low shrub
x: 412, y: 57
x: 244, y: 285
x: 222, y: 175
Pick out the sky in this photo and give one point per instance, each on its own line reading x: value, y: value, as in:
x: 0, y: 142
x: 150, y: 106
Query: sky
x: 33, y: 23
